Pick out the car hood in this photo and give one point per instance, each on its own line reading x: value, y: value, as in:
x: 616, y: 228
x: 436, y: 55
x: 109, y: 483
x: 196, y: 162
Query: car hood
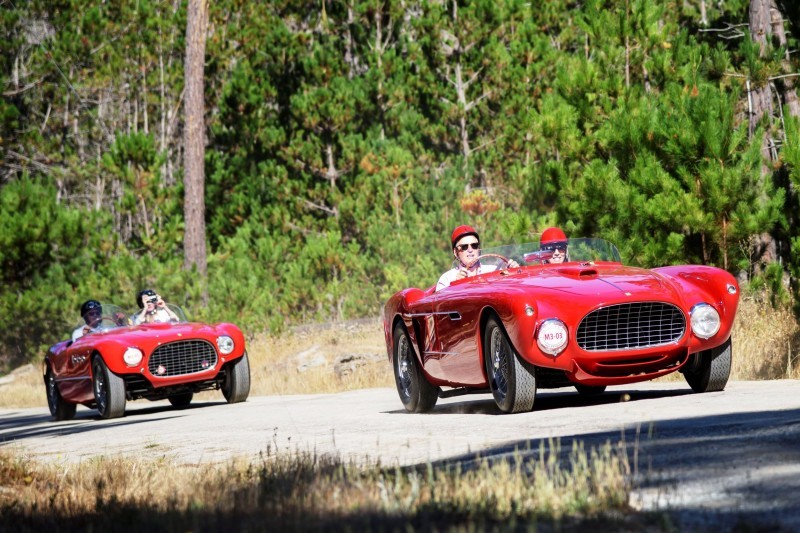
x: 593, y: 285
x: 158, y: 333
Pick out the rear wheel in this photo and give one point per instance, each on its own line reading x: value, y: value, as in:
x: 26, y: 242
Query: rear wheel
x: 512, y: 384
x: 236, y: 387
x: 416, y: 393
x: 181, y: 400
x: 109, y: 390
x: 59, y: 408
x: 708, y: 371
x: 590, y: 390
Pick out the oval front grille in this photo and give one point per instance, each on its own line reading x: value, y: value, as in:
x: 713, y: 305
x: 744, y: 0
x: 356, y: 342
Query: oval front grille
x: 634, y: 325
x: 182, y: 357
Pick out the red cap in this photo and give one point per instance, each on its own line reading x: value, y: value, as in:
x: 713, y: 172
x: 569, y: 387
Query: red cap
x: 462, y: 231
x: 552, y: 235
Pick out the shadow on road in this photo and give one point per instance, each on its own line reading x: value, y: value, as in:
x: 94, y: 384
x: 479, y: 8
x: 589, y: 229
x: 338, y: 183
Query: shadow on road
x: 732, y: 471
x: 15, y: 427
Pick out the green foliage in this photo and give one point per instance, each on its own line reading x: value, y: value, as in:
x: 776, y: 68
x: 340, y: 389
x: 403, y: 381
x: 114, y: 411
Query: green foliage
x: 347, y: 139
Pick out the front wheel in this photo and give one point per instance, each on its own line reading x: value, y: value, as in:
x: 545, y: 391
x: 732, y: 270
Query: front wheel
x: 708, y: 371
x: 109, y: 390
x: 59, y: 408
x: 512, y: 384
x: 416, y: 393
x: 181, y: 400
x: 236, y: 387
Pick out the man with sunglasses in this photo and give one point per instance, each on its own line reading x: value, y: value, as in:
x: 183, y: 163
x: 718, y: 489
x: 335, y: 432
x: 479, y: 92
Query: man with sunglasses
x: 466, y: 249
x: 92, y: 314
x: 554, y: 240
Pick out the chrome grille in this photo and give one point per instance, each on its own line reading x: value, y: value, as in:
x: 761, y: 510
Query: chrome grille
x: 634, y: 325
x: 182, y: 357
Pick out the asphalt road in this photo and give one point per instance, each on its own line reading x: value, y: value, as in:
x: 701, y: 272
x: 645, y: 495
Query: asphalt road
x: 722, y: 459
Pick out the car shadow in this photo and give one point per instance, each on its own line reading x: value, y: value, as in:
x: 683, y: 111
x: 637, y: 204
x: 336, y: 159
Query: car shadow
x: 15, y: 427
x: 551, y: 399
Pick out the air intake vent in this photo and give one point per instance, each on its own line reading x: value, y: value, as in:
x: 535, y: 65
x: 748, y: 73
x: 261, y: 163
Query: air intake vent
x: 181, y: 358
x: 627, y: 326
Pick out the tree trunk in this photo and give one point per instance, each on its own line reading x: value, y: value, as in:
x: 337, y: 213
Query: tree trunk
x: 788, y: 89
x: 194, y: 240
x: 760, y: 98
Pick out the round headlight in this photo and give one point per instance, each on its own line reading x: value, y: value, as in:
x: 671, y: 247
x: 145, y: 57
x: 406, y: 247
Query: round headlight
x: 225, y: 344
x: 705, y: 320
x: 552, y: 336
x: 132, y: 356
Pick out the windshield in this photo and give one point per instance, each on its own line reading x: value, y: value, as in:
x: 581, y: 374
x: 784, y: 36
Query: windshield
x: 583, y: 250
x: 110, y: 316
x: 163, y: 313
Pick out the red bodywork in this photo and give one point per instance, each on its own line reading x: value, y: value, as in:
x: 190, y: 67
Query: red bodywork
x: 445, y: 328
x: 71, y: 362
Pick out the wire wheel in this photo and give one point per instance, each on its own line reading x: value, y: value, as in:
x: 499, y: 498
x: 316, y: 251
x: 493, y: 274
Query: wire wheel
x: 59, y: 408
x: 109, y: 390
x: 416, y: 393
x: 512, y: 384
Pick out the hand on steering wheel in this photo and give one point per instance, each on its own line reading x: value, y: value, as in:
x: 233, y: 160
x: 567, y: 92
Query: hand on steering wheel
x: 510, y: 263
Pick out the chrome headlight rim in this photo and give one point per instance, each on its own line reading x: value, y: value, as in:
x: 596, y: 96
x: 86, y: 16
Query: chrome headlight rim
x: 705, y: 320
x: 225, y: 344
x: 132, y: 356
x: 557, y: 344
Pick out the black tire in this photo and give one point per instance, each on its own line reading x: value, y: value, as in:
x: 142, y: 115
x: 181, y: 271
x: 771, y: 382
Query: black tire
x: 590, y: 390
x: 181, y: 400
x: 512, y: 384
x: 709, y: 371
x: 109, y: 390
x: 59, y: 408
x: 236, y: 387
x: 416, y: 393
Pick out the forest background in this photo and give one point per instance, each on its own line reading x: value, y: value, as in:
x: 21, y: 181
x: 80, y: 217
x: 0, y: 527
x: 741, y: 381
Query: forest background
x: 345, y: 139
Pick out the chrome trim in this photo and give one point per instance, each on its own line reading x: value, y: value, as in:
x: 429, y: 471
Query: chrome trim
x: 79, y: 378
x: 441, y: 353
x: 415, y: 315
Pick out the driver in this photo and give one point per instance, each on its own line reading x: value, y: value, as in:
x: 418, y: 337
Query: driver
x: 554, y: 240
x: 92, y: 313
x: 153, y: 309
x: 466, y: 249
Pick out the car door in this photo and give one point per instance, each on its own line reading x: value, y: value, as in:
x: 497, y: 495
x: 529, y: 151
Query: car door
x: 74, y: 376
x: 456, y: 314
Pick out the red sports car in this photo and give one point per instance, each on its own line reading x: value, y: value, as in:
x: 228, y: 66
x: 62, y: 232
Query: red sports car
x: 588, y: 322
x: 113, y: 362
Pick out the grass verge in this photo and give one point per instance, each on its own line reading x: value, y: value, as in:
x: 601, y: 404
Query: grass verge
x: 550, y: 490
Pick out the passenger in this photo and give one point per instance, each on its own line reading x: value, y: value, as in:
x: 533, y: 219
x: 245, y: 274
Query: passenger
x: 92, y: 314
x: 554, y: 240
x: 153, y: 309
x: 466, y: 249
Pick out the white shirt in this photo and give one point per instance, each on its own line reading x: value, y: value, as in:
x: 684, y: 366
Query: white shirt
x: 160, y: 316
x: 451, y: 275
x: 77, y: 333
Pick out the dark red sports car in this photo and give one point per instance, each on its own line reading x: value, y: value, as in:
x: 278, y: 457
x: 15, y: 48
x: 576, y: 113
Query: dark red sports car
x: 113, y: 362
x: 588, y: 322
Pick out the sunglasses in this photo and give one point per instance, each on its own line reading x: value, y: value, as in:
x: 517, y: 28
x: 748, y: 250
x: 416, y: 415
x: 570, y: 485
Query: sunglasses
x: 465, y: 247
x: 561, y: 248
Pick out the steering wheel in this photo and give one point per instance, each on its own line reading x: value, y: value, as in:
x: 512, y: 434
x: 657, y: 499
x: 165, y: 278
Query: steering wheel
x: 498, y: 256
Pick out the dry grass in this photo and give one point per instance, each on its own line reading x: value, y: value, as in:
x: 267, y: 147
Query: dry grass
x: 766, y: 342
x: 310, y: 492
x: 338, y: 357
